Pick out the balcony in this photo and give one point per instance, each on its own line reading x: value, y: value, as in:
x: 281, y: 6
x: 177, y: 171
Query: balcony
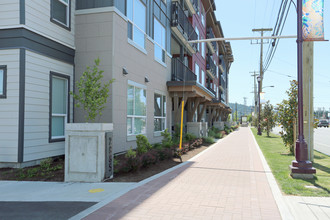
x: 222, y: 83
x: 183, y: 80
x: 211, y: 67
x: 182, y: 27
x: 192, y: 6
x: 211, y: 90
x: 180, y: 72
x: 212, y: 45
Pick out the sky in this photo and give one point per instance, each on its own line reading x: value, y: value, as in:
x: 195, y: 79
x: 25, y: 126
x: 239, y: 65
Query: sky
x: 238, y: 18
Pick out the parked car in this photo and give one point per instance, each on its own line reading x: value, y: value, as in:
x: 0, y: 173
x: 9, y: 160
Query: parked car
x: 323, y: 123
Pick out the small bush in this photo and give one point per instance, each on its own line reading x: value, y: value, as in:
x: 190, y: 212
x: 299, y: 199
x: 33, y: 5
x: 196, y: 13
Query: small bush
x: 167, y: 139
x: 151, y: 157
x: 130, y: 154
x: 190, y: 137
x: 218, y: 135
x: 143, y: 144
x: 208, y: 140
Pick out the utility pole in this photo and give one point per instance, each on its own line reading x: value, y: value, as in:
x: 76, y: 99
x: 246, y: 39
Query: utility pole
x: 262, y: 30
x: 245, y: 98
x: 308, y: 58
x: 255, y: 93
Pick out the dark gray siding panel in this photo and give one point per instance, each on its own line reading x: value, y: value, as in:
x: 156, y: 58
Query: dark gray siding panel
x: 22, y: 38
x: 86, y: 4
x: 21, y: 118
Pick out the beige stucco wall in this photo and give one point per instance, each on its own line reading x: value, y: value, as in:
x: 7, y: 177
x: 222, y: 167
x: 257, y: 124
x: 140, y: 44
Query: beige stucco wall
x: 104, y: 35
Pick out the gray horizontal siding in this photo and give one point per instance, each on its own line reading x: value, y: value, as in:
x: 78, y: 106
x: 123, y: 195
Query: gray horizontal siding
x: 9, y: 107
x: 36, y: 128
x: 9, y: 12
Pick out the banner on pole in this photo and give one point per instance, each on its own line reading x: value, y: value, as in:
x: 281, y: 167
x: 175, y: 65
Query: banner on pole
x: 313, y: 26
x: 262, y: 98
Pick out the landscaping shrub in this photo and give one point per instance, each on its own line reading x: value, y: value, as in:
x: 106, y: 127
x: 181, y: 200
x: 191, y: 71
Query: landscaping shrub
x: 148, y: 158
x: 190, y: 137
x: 132, y: 162
x: 218, y: 135
x: 167, y: 139
x: 143, y: 144
x: 208, y: 140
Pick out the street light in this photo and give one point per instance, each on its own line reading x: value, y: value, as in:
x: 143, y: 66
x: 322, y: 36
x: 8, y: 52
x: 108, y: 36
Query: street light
x: 268, y: 87
x: 259, y: 80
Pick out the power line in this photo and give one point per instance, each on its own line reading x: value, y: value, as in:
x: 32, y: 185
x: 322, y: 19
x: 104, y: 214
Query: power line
x: 278, y: 29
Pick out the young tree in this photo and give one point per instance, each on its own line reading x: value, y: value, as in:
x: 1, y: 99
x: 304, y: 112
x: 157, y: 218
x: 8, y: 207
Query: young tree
x: 268, y: 121
x: 91, y: 94
x: 287, y: 115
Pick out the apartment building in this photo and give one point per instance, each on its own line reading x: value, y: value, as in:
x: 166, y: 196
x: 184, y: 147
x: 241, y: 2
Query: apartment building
x: 36, y: 74
x: 45, y: 45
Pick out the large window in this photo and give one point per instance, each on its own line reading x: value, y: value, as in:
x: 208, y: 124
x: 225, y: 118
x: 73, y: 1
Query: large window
x: 160, y: 112
x: 59, y: 97
x: 136, y: 14
x: 60, y: 12
x: 3, y: 81
x: 160, y: 39
x: 136, y: 110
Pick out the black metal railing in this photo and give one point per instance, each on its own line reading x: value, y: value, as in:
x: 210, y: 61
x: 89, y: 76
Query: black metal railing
x: 211, y: 90
x: 222, y: 82
x: 180, y: 72
x: 210, y: 35
x: 179, y: 18
x: 210, y: 65
x: 195, y: 5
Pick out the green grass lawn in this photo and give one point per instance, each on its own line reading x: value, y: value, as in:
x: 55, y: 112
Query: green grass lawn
x: 278, y: 160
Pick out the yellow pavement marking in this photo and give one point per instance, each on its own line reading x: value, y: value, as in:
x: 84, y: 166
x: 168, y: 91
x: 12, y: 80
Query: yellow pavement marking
x: 96, y: 190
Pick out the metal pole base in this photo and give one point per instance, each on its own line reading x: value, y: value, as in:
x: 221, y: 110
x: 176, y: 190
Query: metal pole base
x: 259, y: 131
x: 301, y: 168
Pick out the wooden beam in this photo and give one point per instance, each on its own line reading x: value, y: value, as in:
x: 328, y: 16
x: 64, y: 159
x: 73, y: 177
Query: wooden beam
x: 200, y: 113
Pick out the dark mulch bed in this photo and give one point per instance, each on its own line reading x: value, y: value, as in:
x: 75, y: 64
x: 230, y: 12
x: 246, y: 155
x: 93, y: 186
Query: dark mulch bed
x: 55, y: 171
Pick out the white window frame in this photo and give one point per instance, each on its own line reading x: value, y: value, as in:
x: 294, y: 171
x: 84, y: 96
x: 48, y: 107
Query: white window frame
x: 66, y: 114
x: 135, y: 85
x: 156, y: 43
x: 162, y: 111
x: 197, y: 72
x: 198, y: 37
x: 136, y: 26
x: 203, y: 78
x: 68, y: 16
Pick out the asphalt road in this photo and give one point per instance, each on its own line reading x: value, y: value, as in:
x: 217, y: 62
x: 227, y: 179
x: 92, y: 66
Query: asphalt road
x: 321, y: 139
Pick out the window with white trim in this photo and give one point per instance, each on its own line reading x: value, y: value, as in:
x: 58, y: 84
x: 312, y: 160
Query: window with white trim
x: 3, y: 81
x: 197, y: 72
x: 136, y: 25
x: 198, y: 38
x: 59, y: 106
x: 136, y: 110
x: 60, y: 12
x: 160, y: 39
x: 160, y: 112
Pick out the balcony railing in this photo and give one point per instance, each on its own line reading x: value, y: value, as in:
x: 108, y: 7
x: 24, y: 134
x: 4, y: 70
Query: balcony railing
x: 210, y: 65
x: 180, y: 19
x: 180, y: 72
x: 222, y: 82
x: 195, y: 4
x: 211, y: 90
x: 210, y: 35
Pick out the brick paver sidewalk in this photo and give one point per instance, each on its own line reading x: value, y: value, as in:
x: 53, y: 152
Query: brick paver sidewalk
x: 225, y: 182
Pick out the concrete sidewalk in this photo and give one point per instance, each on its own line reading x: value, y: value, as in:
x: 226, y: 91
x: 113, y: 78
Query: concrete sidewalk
x: 227, y: 181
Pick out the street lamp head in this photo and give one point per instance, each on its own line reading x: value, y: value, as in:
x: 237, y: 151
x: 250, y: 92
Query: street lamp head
x: 259, y: 78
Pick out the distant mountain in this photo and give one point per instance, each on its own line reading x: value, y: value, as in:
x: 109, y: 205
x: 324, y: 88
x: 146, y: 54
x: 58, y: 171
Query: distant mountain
x: 241, y: 109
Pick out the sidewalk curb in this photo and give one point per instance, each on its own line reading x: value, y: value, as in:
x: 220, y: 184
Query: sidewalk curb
x: 99, y: 205
x: 281, y: 203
